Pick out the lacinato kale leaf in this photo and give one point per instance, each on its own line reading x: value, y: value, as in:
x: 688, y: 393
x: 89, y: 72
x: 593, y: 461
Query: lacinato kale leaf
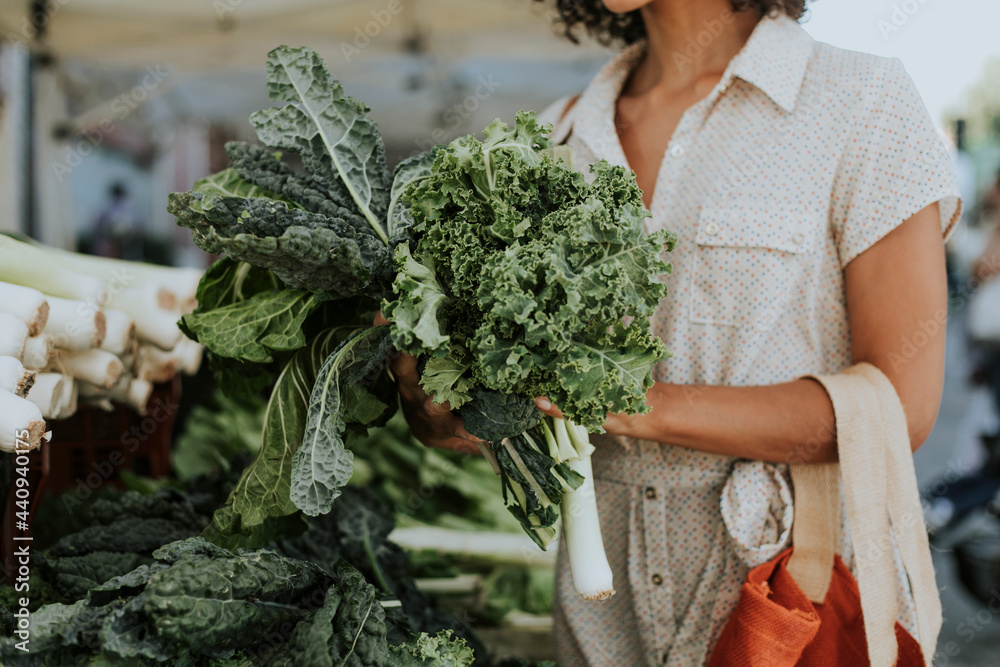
x: 264, y: 490
x: 350, y: 394
x: 340, y: 145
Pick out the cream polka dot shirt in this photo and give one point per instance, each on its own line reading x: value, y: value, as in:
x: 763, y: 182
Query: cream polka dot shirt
x: 801, y: 158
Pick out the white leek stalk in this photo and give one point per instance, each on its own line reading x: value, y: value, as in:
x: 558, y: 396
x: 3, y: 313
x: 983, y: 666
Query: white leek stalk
x: 26, y: 304
x: 190, y: 354
x: 69, y: 399
x: 22, y: 426
x: 30, y: 266
x: 120, y: 335
x: 95, y: 366
x: 39, y: 352
x: 48, y: 392
x: 129, y: 391
x: 156, y: 365
x: 182, y: 281
x: 153, y: 323
x: 75, y: 325
x: 588, y: 562
x: 14, y: 377
x: 13, y: 334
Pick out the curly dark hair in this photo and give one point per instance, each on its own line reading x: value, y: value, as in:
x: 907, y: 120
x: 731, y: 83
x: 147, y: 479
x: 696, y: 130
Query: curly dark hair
x: 609, y: 28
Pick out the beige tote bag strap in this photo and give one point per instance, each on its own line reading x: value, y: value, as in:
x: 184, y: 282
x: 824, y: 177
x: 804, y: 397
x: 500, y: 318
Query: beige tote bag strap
x: 876, y: 470
x: 907, y: 517
x: 817, y: 508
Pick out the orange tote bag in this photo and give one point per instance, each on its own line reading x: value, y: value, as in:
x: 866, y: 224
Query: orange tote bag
x: 804, y: 608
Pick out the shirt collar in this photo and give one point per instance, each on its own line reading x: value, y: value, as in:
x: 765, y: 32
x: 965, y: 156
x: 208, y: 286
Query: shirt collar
x: 774, y: 59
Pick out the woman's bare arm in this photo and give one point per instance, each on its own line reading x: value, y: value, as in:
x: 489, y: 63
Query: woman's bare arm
x: 897, y: 306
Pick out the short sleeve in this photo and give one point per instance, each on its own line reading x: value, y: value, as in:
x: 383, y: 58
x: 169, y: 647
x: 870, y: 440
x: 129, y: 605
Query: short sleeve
x: 894, y: 164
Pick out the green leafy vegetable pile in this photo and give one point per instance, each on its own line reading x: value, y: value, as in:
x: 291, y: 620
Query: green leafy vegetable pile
x: 510, y: 273
x: 198, y: 603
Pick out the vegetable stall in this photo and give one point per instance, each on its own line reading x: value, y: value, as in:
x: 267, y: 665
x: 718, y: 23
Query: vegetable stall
x: 302, y: 523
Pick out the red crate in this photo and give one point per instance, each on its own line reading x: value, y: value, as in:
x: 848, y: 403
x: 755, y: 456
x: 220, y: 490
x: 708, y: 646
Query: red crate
x: 91, y: 449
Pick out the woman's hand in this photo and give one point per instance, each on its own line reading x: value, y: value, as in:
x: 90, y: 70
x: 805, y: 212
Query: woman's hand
x: 433, y: 424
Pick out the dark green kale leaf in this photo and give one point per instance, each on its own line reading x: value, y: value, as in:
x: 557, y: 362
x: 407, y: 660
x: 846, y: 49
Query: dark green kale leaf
x: 340, y: 146
x: 494, y: 416
x: 351, y: 394
x: 263, y: 493
x: 129, y: 535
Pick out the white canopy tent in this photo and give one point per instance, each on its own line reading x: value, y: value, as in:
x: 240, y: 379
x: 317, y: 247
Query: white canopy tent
x: 408, y: 59
x: 429, y: 69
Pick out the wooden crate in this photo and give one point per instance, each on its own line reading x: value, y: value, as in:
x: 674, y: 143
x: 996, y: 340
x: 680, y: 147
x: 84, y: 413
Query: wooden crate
x: 90, y: 450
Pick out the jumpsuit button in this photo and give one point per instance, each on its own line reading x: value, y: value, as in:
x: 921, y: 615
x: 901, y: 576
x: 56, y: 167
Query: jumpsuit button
x: 657, y: 580
x: 650, y: 493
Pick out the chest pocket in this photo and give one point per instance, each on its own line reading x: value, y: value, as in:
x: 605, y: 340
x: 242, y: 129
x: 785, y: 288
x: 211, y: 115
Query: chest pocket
x: 750, y: 265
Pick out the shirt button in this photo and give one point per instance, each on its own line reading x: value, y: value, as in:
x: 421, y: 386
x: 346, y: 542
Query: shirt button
x: 798, y: 238
x: 657, y: 580
x: 711, y: 229
x: 651, y: 493
x: 676, y: 150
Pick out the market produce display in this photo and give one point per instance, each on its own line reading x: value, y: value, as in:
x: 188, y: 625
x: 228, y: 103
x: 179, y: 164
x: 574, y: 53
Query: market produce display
x: 511, y: 274
x: 134, y: 585
x: 76, y: 329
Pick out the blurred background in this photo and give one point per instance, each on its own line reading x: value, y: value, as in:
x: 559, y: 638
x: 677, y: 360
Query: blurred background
x: 106, y: 106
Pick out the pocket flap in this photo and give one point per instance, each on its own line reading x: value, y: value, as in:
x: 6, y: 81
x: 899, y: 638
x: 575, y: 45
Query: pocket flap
x: 785, y: 230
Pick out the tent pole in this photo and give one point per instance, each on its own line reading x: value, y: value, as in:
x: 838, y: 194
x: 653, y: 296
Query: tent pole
x: 29, y: 223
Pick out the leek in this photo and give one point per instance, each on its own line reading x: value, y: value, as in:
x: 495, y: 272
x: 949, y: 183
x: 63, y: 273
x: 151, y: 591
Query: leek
x: 75, y: 325
x: 14, y: 377
x: 22, y: 426
x: 13, y: 335
x: 120, y: 334
x: 38, y: 352
x: 95, y: 366
x: 27, y: 304
x: 47, y: 393
x: 33, y: 268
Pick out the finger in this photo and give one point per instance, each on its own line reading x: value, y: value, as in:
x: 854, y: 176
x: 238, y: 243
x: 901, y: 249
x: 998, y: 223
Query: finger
x: 380, y: 320
x: 465, y: 435
x: 436, y: 409
x: 404, y: 367
x: 545, y: 405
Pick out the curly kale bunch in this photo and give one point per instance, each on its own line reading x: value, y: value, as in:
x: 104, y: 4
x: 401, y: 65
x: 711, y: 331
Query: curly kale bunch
x: 520, y: 273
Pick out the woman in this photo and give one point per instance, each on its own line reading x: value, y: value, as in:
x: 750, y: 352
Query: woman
x: 810, y: 195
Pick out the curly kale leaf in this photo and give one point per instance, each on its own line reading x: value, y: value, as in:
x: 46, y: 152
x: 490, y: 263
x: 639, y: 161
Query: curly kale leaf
x: 441, y: 649
x: 340, y: 145
x: 494, y: 416
x: 408, y: 172
x: 521, y: 267
x: 351, y: 394
x: 416, y: 326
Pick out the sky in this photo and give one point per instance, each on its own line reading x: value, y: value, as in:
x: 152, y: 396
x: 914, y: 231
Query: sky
x: 942, y: 43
